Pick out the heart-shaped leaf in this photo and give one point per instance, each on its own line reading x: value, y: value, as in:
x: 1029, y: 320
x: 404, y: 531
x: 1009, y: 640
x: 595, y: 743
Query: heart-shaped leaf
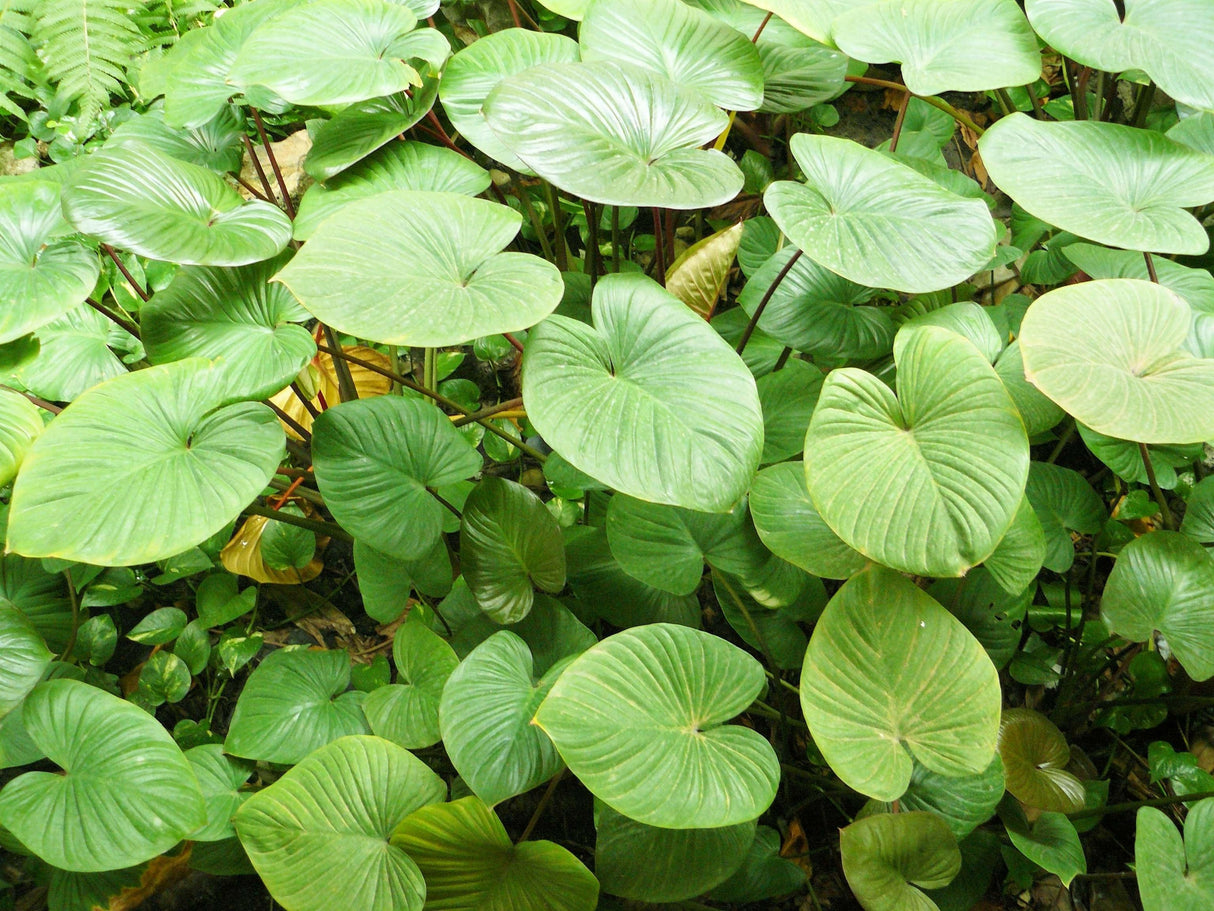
x: 406, y: 712
x: 42, y: 275
x: 1064, y: 502
x: 639, y: 719
x: 1035, y: 755
x: 644, y: 358
x: 485, y: 716
x: 687, y: 46
x: 77, y: 350
x: 963, y: 803
x: 1111, y: 353
x: 957, y: 46
x: 126, y: 792
x: 859, y: 211
x: 1175, y: 875
x: 141, y: 200
x: 988, y: 610
x: 613, y: 134
x: 464, y: 853
x: 26, y: 657
x: 1198, y: 521
x: 890, y: 674
x: 293, y: 703
x: 317, y: 841
x: 1110, y: 183
x: 374, y: 460
x: 889, y: 857
x: 1164, y: 581
x: 1050, y: 842
x: 763, y: 874
x: 1020, y: 555
x: 234, y: 314
x: 433, y: 262
x: 142, y: 467
x: 509, y: 541
x: 883, y: 471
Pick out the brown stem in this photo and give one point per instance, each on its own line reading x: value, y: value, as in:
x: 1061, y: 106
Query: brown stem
x: 901, y: 118
x: 265, y: 142
x: 304, y: 400
x: 486, y: 413
x: 1130, y: 805
x: 114, y: 317
x: 261, y: 173
x: 252, y: 189
x: 323, y: 528
x: 1038, y: 109
x: 41, y: 403
x: 289, y: 421
x: 1155, y: 489
x: 542, y: 805
x: 1150, y: 267
x: 659, y: 248
x: 762, y: 25
x: 957, y: 115
x: 1079, y: 98
x: 754, y: 320
x: 109, y: 251
x: 443, y: 136
x: 345, y: 383
x: 514, y: 342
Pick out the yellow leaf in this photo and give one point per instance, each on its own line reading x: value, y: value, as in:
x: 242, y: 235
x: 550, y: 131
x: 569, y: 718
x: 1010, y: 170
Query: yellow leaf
x: 366, y: 382
x: 242, y: 556
x: 698, y: 276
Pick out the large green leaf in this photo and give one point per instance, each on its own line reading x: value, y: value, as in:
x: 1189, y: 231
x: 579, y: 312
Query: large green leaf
x: 76, y: 351
x: 775, y: 633
x: 293, y: 703
x: 374, y: 460
x: 1198, y: 521
x: 890, y: 674
x: 944, y: 45
x: 406, y: 712
x: 399, y: 166
x: 126, y: 792
x: 1064, y: 502
x: 233, y: 314
x: 640, y: 717
x: 475, y: 72
x: 328, y: 52
x: 142, y: 467
x: 763, y: 874
x: 509, y: 541
x: 1036, y: 410
x: 26, y: 657
x: 1175, y: 875
x: 1035, y: 756
x: 613, y: 134
x: 1109, y: 183
x: 42, y: 274
x: 141, y: 200
x: 214, y: 145
x: 788, y: 397
x: 687, y: 46
x: 1050, y: 842
x: 20, y: 424
x: 992, y: 613
x: 886, y: 474
x: 859, y: 211
x: 963, y: 803
x: 1111, y: 353
x: 889, y: 857
x: 790, y: 525
x: 665, y: 546
x: 40, y: 595
x: 653, y: 864
x: 1020, y: 555
x: 221, y: 778
x: 485, y: 715
x: 1169, y: 39
x: 813, y: 17
x: 422, y: 268
x: 469, y: 863
x: 319, y: 836
x: 641, y: 366
x: 1165, y: 581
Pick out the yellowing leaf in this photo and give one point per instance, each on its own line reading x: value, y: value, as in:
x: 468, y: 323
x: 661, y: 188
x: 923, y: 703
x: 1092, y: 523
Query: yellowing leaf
x: 367, y: 382
x: 698, y: 276
x: 242, y: 556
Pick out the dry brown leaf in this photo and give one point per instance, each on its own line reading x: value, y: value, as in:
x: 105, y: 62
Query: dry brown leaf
x: 367, y: 382
x: 242, y: 556
x: 327, y: 620
x: 796, y: 847
x: 162, y: 873
x: 290, y: 154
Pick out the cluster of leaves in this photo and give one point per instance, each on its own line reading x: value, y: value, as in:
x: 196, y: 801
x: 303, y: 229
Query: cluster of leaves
x: 915, y: 496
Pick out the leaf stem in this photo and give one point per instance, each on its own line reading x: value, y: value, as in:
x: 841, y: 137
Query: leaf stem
x: 898, y: 121
x: 542, y: 805
x: 261, y: 172
x: 109, y: 251
x: 41, y: 403
x: 75, y: 603
x: 659, y: 248
x: 754, y: 320
x: 615, y: 238
x: 537, y: 226
x: 304, y: 400
x: 1156, y: 492
x: 937, y: 103
x: 323, y: 528
x: 282, y: 184
x: 562, y: 248
x: 590, y: 264
x: 486, y: 413
x: 345, y: 382
x: 1150, y: 267
x: 126, y: 324
x: 299, y: 428
x: 1131, y: 805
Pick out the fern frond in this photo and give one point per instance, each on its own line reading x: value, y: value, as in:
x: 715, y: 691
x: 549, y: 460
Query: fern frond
x: 86, y: 46
x: 17, y: 60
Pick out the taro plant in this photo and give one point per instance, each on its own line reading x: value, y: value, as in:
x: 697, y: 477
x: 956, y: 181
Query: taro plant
x: 597, y: 470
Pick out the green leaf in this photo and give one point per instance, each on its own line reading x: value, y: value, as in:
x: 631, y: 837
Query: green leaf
x: 26, y: 657
x: 775, y: 633
x: 42, y: 274
x: 878, y: 466
x: 791, y: 526
x: 319, y: 836
x: 788, y: 397
x: 399, y: 166
x: 1035, y: 756
x: 214, y: 145
x: 287, y: 547
x: 126, y: 792
x: 890, y: 674
x: 485, y: 716
x: 1175, y: 875
x: 77, y: 351
x: 469, y: 863
x: 407, y: 712
x: 1051, y: 842
x: 1166, y: 39
x: 683, y: 44
x: 640, y: 717
x: 665, y: 546
x: 386, y: 582
x: 1020, y: 555
x: 963, y: 803
x: 218, y: 602
x: 160, y: 626
x: 476, y: 71
x: 142, y: 467
x: 1198, y: 521
x: 329, y: 52
x: 433, y: 262
x: 763, y: 874
x: 962, y: 46
x: 141, y: 200
x: 653, y: 864
x: 992, y: 613
x: 374, y: 460
x: 967, y: 319
x: 859, y: 212
x: 1124, y: 459
x: 889, y: 857
x: 1113, y: 184
x: 1036, y: 410
x: 220, y: 777
x: 97, y: 639
x: 40, y: 595
x: 1110, y: 353
x: 193, y: 647
x: 642, y: 363
x: 20, y: 425
x: 812, y: 17
x: 164, y: 678
x: 617, y: 135
x: 1164, y: 581
x: 1064, y: 502
x: 293, y: 703
x: 234, y: 314
x: 509, y: 541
